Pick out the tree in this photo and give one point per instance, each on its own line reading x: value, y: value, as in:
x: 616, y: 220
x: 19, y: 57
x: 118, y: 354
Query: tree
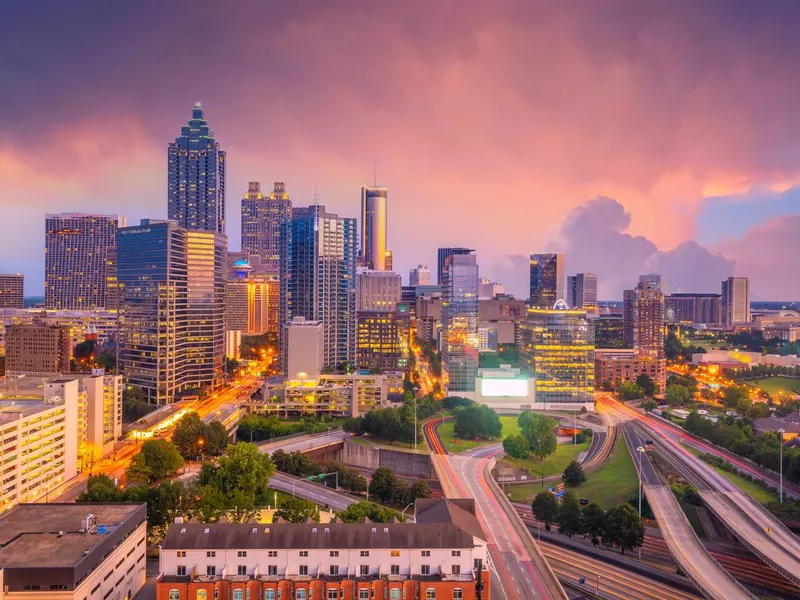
x: 188, y: 434
x: 569, y: 517
x: 648, y: 405
x: 677, y: 395
x: 624, y: 527
x: 134, y: 404
x: 242, y: 507
x: 216, y: 438
x: 101, y: 488
x: 477, y: 421
x: 648, y: 386
x: 356, y: 513
x: 419, y: 489
x: 545, y: 508
x: 573, y: 474
x: 672, y: 346
x: 243, y: 468
x: 628, y: 390
x: 516, y: 446
x: 539, y: 432
x: 162, y: 457
x: 138, y: 471
x: 733, y: 394
x: 593, y: 519
x: 297, y: 510
x: 210, y: 503
x: 383, y: 485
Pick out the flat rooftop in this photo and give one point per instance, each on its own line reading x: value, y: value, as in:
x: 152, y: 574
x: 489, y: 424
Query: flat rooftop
x: 30, y: 533
x: 11, y: 410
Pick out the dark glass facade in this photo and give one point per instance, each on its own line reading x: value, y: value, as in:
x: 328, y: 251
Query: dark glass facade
x: 173, y: 315
x: 196, y: 177
x: 460, y: 341
x: 547, y: 280
x: 442, y: 256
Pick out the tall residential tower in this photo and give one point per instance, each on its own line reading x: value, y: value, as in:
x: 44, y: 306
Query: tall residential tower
x: 80, y: 261
x: 460, y: 322
x: 196, y: 177
x: 261, y: 223
x: 735, y: 301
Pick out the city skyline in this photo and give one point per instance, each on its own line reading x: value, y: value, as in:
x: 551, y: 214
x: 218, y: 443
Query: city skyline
x: 728, y: 195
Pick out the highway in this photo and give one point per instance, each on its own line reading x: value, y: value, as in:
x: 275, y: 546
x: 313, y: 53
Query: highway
x: 311, y: 491
x: 748, y: 520
x: 511, y: 547
x: 712, y: 580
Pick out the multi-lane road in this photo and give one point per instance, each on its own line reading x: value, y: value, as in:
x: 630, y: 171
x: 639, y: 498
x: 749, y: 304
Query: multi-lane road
x: 518, y: 568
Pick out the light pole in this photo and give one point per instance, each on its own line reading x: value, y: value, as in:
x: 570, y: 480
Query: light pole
x: 368, y: 481
x: 780, y: 442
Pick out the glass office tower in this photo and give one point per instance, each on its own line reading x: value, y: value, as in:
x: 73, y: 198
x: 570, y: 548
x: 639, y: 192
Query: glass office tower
x: 460, y: 322
x: 172, y: 334
x: 557, y: 349
x: 547, y: 279
x: 196, y: 177
x: 318, y: 279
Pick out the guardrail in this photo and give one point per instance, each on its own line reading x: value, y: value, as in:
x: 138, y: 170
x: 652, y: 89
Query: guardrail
x: 537, y: 558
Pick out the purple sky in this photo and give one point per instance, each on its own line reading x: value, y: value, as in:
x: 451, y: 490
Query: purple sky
x: 635, y: 136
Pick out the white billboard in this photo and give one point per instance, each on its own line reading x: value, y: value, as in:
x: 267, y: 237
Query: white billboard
x: 513, y: 388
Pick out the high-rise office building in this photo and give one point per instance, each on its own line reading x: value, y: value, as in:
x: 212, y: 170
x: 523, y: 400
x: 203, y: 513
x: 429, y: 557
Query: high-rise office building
x: 609, y: 331
x: 735, y: 301
x: 80, y: 261
x: 546, y: 279
x: 261, y: 223
x: 373, y: 251
x: 582, y: 291
x: 318, y: 278
x: 251, y: 301
x: 702, y: 309
x: 12, y: 293
x: 419, y: 275
x: 557, y: 348
x: 460, y: 322
x: 305, y: 349
x: 377, y: 291
x: 442, y: 255
x: 643, y: 315
x: 173, y: 319
x: 382, y: 340
x: 196, y: 177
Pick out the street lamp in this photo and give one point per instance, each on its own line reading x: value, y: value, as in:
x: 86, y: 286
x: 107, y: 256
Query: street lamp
x: 780, y: 443
x: 367, y: 479
x: 201, y: 442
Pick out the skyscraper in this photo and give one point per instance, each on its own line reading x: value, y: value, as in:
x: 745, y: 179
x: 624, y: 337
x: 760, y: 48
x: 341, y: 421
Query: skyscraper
x: 443, y: 255
x: 12, y: 291
x: 557, y: 348
x: 373, y: 252
x: 261, y: 223
x: 377, y: 291
x: 419, y: 275
x: 547, y: 279
x: 582, y: 291
x: 80, y: 261
x: 173, y: 319
x: 653, y: 280
x: 735, y: 301
x: 318, y: 278
x: 643, y: 315
x: 196, y: 177
x: 460, y: 322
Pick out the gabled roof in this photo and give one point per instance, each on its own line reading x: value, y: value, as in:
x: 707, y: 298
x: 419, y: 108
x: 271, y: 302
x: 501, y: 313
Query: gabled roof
x: 458, y: 511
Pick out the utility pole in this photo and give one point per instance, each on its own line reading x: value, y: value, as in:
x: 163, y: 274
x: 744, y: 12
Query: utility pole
x: 780, y: 442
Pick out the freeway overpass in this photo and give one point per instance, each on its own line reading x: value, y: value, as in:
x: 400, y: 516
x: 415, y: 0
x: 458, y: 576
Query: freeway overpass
x: 306, y: 443
x: 714, y: 582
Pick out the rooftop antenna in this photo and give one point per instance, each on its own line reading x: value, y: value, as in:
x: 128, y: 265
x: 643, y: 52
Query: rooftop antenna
x: 316, y: 195
x: 375, y: 169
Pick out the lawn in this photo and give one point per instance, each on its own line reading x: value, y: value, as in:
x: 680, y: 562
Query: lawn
x: 555, y: 463
x: 774, y: 385
x: 613, y: 483
x: 454, y: 446
x: 756, y: 491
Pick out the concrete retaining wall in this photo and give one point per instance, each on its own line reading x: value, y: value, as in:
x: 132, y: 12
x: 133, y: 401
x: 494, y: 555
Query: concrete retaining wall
x: 404, y: 464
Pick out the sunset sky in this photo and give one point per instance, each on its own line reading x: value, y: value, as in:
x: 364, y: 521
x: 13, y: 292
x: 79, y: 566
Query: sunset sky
x: 636, y: 136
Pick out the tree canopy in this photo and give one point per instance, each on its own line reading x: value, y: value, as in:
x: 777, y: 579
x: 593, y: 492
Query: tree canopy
x: 539, y: 431
x: 477, y: 421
